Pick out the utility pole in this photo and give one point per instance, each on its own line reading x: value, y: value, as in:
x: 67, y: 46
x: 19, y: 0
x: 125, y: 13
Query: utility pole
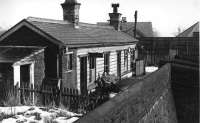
x: 135, y: 24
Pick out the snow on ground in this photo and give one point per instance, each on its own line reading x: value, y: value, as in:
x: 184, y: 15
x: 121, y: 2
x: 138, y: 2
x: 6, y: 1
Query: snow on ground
x: 33, y: 114
x: 111, y: 95
x: 150, y: 69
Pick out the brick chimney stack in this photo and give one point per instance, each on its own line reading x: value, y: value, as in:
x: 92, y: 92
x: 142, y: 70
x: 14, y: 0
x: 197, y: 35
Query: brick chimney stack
x: 71, y: 11
x: 115, y: 17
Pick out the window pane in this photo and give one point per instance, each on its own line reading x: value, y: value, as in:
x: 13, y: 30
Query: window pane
x: 92, y: 62
x: 106, y: 62
x: 69, y: 61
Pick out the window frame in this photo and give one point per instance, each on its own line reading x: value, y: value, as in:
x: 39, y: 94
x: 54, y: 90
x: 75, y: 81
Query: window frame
x: 69, y: 65
x: 107, y: 62
x: 92, y: 62
x: 126, y: 60
x: 92, y: 66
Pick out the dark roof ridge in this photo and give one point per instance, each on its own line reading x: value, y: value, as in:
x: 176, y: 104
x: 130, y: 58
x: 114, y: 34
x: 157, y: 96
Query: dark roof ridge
x: 95, y: 25
x: 47, y: 20
x: 126, y: 22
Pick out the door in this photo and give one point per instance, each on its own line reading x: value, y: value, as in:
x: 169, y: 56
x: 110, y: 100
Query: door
x: 119, y: 64
x: 25, y: 75
x: 83, y: 75
x: 25, y: 83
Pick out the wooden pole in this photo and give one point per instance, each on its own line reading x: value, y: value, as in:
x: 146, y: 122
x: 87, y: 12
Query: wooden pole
x: 135, y: 24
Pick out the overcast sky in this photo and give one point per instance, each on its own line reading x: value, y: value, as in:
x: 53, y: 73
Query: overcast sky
x: 165, y: 15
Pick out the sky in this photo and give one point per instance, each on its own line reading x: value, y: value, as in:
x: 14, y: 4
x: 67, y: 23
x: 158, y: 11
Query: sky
x: 166, y: 15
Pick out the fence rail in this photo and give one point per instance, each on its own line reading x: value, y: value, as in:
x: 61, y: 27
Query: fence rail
x: 52, y: 96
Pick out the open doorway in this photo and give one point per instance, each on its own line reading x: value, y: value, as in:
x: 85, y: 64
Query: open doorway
x: 24, y: 75
x: 25, y: 83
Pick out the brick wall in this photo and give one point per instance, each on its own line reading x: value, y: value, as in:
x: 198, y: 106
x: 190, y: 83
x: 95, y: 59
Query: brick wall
x: 149, y: 100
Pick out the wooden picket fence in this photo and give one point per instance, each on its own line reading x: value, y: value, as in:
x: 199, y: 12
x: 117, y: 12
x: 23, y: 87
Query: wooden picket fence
x: 50, y: 95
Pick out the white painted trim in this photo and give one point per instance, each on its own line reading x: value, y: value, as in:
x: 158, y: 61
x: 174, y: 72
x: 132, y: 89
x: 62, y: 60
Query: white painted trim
x: 67, y: 53
x: 32, y: 78
x: 16, y: 70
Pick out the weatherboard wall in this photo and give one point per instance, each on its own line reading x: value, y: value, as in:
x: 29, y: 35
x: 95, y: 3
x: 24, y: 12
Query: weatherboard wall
x: 100, y: 61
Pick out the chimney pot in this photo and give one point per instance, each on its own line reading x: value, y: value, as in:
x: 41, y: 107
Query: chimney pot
x: 115, y: 7
x: 124, y: 20
x: 115, y: 17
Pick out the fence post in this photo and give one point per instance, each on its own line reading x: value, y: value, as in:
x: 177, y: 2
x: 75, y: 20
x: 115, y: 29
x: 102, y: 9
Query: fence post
x: 16, y: 92
x: 32, y: 94
x: 60, y: 95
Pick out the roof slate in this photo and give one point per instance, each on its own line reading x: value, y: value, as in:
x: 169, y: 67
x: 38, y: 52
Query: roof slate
x: 1, y: 32
x: 85, y: 33
x: 13, y: 54
x: 143, y: 28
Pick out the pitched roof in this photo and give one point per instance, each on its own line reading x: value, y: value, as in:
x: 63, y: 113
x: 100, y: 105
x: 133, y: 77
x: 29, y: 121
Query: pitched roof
x: 16, y: 53
x: 144, y: 29
x: 84, y: 34
x: 189, y: 32
x: 1, y: 32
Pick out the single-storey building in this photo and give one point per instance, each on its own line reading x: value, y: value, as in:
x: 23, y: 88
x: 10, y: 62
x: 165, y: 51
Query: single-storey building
x: 66, y: 52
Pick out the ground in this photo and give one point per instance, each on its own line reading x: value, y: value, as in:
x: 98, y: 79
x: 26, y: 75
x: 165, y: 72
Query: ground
x: 33, y: 114
x: 126, y: 83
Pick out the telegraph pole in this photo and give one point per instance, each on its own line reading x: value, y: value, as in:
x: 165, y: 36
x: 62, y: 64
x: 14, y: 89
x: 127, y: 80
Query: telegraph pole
x: 135, y: 24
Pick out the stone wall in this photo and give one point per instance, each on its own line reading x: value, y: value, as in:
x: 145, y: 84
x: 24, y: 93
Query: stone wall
x: 149, y: 100
x: 185, y: 88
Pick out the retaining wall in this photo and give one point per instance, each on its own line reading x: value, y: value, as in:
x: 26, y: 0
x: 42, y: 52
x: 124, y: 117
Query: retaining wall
x: 149, y: 100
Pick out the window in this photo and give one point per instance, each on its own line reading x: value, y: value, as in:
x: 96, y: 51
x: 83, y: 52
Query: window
x: 132, y: 59
x: 92, y: 66
x: 106, y: 62
x: 126, y: 60
x: 69, y: 61
x: 92, y: 62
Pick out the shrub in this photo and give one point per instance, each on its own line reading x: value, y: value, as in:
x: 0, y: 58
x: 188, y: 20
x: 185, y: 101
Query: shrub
x: 11, y: 99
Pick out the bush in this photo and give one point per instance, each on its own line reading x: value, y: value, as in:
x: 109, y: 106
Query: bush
x: 11, y: 99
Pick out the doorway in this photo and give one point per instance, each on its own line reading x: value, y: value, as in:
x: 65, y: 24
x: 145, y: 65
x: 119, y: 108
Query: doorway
x: 119, y: 64
x: 83, y: 75
x: 25, y: 83
x: 24, y: 75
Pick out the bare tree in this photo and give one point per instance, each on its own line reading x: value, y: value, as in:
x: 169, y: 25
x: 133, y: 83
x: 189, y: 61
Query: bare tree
x: 156, y: 33
x: 179, y: 31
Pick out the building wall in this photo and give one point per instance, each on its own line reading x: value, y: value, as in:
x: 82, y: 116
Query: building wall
x: 26, y: 37
x: 149, y: 100
x: 39, y: 68
x: 6, y: 80
x: 69, y: 77
x: 37, y: 60
x: 100, y: 61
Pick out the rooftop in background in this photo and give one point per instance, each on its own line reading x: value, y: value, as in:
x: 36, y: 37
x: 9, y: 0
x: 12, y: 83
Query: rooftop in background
x: 144, y: 29
x: 189, y: 32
